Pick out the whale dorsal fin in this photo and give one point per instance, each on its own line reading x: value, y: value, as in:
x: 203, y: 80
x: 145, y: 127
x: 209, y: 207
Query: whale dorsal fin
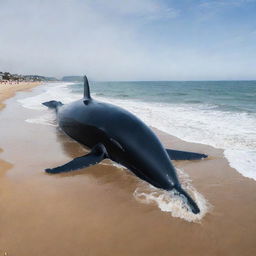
x: 87, y: 95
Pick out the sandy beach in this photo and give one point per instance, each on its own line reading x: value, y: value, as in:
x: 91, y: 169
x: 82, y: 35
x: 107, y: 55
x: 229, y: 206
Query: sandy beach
x: 8, y: 89
x: 94, y: 211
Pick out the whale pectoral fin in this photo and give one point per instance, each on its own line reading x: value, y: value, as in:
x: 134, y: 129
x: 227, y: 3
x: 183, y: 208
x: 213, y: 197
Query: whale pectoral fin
x: 97, y: 154
x: 184, y: 155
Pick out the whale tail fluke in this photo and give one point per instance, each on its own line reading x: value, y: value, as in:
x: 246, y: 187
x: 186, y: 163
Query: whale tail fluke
x: 53, y: 104
x: 192, y: 205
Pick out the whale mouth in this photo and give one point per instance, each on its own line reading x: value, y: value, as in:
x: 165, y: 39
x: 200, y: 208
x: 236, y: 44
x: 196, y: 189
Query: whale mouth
x: 190, y: 202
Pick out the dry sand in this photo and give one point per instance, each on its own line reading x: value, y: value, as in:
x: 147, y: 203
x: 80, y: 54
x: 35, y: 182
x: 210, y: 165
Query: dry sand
x: 9, y: 89
x: 93, y: 211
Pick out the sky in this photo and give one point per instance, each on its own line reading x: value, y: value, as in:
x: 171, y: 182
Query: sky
x: 130, y: 39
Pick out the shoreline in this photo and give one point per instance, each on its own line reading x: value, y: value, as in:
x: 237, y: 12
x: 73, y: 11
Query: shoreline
x: 73, y: 213
x: 9, y: 89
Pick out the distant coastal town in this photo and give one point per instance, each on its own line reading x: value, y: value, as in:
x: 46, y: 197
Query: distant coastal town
x: 7, y: 77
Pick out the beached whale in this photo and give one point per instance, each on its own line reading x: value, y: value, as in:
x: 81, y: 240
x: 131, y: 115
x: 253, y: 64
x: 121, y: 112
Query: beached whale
x: 114, y: 133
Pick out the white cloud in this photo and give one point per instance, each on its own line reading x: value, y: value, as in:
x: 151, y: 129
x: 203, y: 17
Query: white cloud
x: 223, y: 3
x: 62, y: 37
x: 148, y: 9
x: 108, y: 40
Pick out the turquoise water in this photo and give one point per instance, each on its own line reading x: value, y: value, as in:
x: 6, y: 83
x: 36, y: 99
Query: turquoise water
x: 224, y: 95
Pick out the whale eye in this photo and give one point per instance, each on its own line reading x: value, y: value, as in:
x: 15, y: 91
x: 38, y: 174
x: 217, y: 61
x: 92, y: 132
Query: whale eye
x: 117, y: 144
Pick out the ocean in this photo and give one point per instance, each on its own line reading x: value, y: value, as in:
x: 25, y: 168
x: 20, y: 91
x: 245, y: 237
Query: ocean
x: 217, y: 113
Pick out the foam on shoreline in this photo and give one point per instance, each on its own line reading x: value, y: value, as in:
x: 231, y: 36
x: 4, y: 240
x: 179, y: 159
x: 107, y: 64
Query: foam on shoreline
x: 171, y: 202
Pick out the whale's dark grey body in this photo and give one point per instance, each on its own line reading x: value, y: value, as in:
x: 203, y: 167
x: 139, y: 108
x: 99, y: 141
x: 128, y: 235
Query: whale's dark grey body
x: 114, y: 133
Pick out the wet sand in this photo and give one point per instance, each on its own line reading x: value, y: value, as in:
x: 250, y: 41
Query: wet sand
x: 93, y: 211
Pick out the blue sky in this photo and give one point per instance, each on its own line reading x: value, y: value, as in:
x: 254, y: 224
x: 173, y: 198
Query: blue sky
x: 130, y: 39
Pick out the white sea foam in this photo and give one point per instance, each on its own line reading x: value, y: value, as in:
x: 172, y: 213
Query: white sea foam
x: 52, y: 91
x: 242, y: 160
x: 170, y: 201
x: 232, y: 131
x: 47, y: 119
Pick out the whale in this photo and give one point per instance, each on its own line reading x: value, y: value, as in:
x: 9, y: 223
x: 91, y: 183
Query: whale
x: 111, y: 132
